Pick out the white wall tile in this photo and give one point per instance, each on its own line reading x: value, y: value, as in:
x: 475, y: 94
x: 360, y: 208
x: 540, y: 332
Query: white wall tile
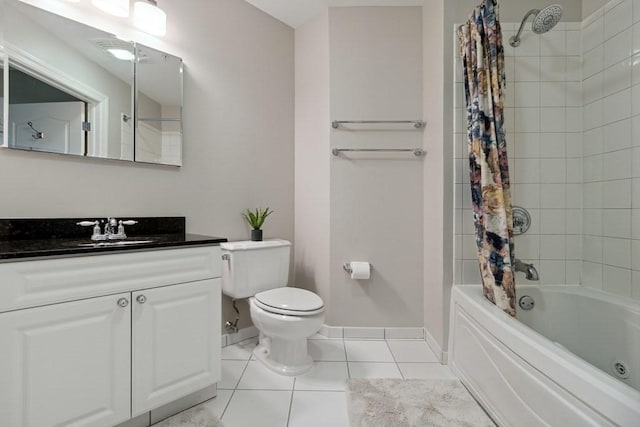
x: 573, y: 116
x: 552, y: 145
x: 573, y: 43
x: 552, y: 221
x: 527, y: 69
x: 574, y: 171
x: 552, y: 247
x: 617, y: 223
x: 592, y: 275
x: 529, y: 44
x: 635, y: 68
x: 574, y: 194
x: 592, y: 195
x: 553, y: 69
x: 592, y: 115
x: 593, y: 142
x: 526, y: 171
x: 616, y: 252
x: 527, y: 119
x: 617, y: 19
x: 573, y: 248
x: 635, y: 223
x: 573, y: 94
x: 553, y: 43
x: 527, y: 94
x: 617, y: 280
x: 635, y: 255
x: 635, y: 193
x: 526, y: 195
x: 471, y: 272
x: 617, y: 194
x: 574, y: 69
x: 574, y: 221
x: 552, y: 119
x: 593, y: 35
x: 552, y: 272
x: 592, y: 62
x: 636, y: 38
x: 527, y: 145
x: 635, y: 99
x: 636, y: 161
x: 527, y: 246
x: 573, y: 272
x: 574, y: 145
x: 617, y: 106
x: 617, y: 77
x: 617, y: 164
x: 592, y: 88
x: 592, y: 222
x: 636, y: 10
x: 592, y: 169
x: 618, y: 47
x: 617, y: 136
x: 552, y: 171
x: 592, y: 248
x: 552, y: 94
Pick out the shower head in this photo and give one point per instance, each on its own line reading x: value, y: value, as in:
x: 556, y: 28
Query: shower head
x: 543, y: 21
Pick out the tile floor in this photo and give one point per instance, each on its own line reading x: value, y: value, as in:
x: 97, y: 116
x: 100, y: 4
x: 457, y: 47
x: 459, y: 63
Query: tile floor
x: 251, y: 395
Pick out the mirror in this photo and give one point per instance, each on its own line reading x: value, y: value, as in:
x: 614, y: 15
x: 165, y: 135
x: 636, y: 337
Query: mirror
x: 74, y: 89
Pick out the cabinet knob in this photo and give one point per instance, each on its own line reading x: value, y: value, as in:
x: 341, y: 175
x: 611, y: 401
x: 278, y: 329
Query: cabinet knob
x: 123, y: 302
x: 141, y: 299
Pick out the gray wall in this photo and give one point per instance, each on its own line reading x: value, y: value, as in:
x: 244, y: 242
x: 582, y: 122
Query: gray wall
x: 238, y: 133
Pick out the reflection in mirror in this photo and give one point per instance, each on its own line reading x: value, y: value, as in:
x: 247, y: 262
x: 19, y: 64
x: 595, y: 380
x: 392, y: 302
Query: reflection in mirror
x: 73, y: 83
x: 158, y: 107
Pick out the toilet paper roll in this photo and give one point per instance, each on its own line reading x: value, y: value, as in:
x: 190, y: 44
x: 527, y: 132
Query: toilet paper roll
x: 360, y: 270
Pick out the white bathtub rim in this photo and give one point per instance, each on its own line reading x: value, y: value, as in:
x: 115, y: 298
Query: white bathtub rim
x: 612, y: 398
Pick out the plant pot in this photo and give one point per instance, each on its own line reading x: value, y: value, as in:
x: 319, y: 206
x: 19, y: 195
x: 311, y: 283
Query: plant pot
x: 256, y: 235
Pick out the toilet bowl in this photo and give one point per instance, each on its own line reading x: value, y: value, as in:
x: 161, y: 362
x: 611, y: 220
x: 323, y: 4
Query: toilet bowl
x: 285, y: 326
x: 285, y: 316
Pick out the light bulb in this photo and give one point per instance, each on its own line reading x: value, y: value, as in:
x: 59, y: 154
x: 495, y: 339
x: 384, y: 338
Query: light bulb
x: 114, y: 7
x: 150, y: 18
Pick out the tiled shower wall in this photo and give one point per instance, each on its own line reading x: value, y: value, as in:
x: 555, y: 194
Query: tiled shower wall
x: 543, y: 121
x: 611, y: 145
x: 573, y: 132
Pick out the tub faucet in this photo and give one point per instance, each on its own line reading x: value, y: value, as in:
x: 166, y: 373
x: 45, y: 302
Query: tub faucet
x: 528, y: 269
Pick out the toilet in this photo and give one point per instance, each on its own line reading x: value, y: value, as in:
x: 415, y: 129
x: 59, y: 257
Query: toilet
x: 285, y: 316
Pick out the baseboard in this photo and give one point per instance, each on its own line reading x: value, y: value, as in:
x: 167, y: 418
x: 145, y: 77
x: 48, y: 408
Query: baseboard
x: 352, y: 332
x: 435, y: 347
x: 241, y: 335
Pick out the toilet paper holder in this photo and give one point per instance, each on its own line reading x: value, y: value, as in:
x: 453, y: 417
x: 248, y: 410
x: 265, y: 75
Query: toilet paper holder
x: 347, y: 267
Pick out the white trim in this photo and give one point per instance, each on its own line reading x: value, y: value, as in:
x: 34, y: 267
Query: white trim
x: 98, y: 102
x: 241, y: 335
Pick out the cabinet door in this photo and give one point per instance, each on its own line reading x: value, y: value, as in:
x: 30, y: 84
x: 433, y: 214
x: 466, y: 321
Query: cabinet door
x: 66, y: 364
x: 176, y: 342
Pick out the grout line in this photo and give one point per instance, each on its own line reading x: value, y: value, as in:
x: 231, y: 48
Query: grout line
x: 393, y: 356
x: 291, y: 401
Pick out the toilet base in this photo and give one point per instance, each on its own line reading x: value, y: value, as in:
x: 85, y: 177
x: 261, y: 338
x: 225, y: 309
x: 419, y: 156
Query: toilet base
x: 294, y: 366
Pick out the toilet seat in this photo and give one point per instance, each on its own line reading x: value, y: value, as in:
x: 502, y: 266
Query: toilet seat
x: 289, y: 301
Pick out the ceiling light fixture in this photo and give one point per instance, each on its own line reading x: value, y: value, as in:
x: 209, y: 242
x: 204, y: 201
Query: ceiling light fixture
x: 148, y: 17
x: 114, y: 7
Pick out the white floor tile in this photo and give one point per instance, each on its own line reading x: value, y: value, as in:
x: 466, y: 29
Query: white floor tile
x: 231, y: 372
x: 327, y: 350
x: 318, y: 409
x: 318, y: 337
x: 373, y: 370
x: 259, y: 377
x: 412, y: 351
x: 425, y: 371
x: 368, y: 351
x: 218, y: 404
x: 240, y: 351
x: 324, y: 376
x: 257, y: 408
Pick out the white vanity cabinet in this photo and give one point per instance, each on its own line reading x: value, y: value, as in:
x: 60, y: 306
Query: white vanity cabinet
x: 97, y: 340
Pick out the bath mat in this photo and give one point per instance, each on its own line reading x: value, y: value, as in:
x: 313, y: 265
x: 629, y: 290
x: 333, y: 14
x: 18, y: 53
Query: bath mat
x: 412, y: 403
x: 198, y: 416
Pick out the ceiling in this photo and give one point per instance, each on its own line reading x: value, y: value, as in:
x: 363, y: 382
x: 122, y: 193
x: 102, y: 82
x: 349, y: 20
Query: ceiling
x: 296, y: 12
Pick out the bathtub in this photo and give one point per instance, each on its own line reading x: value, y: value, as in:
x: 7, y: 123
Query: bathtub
x: 555, y: 365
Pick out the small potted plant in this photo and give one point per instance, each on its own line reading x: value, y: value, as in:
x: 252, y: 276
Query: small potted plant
x: 255, y: 219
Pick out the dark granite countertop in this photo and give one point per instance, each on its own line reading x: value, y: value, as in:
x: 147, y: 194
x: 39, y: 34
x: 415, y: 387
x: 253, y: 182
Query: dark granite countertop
x: 36, y: 238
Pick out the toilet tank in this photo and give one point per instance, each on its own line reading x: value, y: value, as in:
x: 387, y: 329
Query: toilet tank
x: 251, y: 267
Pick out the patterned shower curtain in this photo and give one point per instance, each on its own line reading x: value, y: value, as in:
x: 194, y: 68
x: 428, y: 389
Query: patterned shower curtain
x: 482, y: 53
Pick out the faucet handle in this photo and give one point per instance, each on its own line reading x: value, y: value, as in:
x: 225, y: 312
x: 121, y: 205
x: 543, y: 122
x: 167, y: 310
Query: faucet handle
x: 87, y: 223
x: 129, y: 222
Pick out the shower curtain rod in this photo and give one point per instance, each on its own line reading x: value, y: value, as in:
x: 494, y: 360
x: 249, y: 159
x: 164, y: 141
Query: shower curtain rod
x: 418, y: 152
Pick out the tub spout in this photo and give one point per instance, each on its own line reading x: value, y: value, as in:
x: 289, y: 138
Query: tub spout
x: 528, y: 269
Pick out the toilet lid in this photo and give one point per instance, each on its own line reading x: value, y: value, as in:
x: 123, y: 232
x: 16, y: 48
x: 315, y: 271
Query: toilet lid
x: 290, y: 300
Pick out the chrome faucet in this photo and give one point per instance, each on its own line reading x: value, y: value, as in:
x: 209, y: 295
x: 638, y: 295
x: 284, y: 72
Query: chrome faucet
x: 113, y: 229
x: 528, y: 269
